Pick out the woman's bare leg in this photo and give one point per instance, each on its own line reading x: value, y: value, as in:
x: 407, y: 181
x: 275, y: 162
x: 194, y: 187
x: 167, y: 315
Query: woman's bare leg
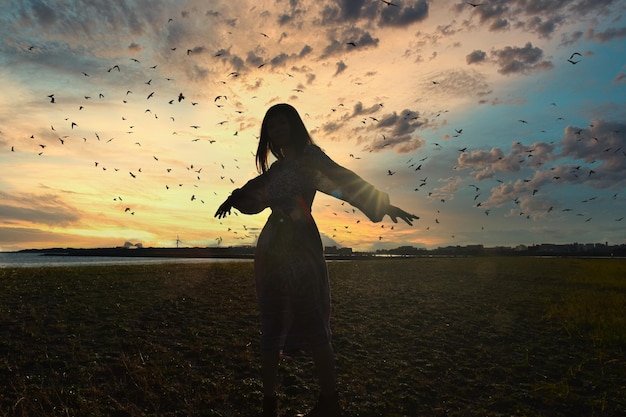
x: 324, y: 359
x: 269, y: 372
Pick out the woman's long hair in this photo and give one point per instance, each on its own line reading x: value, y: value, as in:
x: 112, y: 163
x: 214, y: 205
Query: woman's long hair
x: 299, y: 135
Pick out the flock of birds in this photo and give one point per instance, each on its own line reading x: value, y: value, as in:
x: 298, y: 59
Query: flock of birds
x: 190, y: 178
x: 71, y: 132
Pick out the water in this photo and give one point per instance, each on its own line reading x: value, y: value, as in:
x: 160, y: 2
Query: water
x: 25, y: 259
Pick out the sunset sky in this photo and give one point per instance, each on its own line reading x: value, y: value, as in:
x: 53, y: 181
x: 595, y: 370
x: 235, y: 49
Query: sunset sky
x: 498, y: 123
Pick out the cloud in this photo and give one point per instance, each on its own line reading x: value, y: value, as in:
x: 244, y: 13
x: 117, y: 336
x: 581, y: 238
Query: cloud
x: 571, y: 38
x: 400, y: 144
x: 254, y: 59
x: 134, y: 47
x: 196, y: 50
x: 543, y: 6
x: 351, y: 39
x: 20, y: 237
x: 360, y: 110
x: 331, y: 127
x: 279, y: 60
x: 619, y: 78
x: 404, y: 15
x: 523, y: 195
x: 333, y: 48
x: 72, y: 21
x: 595, y: 156
x: 45, y: 209
x: 341, y: 67
x: 365, y: 40
x: 458, y: 82
x: 476, y: 56
x: 544, y: 28
x: 583, y: 7
x: 306, y: 50
x: 486, y: 164
x: 348, y: 11
x: 398, y: 133
x: 44, y: 15
x: 290, y: 16
x: 451, y: 186
x: 490, y: 11
x: 606, y: 36
x: 516, y: 60
x: 543, y: 17
x: 603, y: 147
x: 499, y: 24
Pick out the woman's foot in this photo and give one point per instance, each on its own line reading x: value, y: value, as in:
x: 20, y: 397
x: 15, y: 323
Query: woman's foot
x: 270, y: 406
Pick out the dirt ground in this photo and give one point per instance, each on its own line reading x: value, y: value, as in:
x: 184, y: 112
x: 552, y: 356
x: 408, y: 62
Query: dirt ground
x: 419, y: 337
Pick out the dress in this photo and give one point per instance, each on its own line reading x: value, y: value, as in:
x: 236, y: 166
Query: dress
x: 290, y: 270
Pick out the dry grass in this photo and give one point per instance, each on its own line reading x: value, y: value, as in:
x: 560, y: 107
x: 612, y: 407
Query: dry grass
x: 423, y: 337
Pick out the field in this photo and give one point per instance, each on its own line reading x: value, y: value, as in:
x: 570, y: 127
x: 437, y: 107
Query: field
x: 413, y: 337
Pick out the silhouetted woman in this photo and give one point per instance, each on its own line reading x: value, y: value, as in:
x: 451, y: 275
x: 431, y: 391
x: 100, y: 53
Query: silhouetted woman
x: 290, y: 269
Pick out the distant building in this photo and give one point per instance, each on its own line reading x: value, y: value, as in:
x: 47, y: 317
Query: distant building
x: 334, y: 250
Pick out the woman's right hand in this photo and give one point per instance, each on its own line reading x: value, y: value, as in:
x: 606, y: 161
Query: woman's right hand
x: 224, y: 209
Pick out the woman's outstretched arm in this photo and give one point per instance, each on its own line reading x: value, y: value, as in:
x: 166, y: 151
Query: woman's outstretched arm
x: 252, y: 198
x: 344, y: 184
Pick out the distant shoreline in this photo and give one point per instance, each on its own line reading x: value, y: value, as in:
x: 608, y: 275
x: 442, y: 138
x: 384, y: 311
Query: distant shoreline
x: 247, y: 252
x: 148, y: 252
x: 222, y: 253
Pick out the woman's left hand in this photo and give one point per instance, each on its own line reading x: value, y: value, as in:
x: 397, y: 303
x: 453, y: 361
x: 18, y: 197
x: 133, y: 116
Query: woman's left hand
x: 396, y: 212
